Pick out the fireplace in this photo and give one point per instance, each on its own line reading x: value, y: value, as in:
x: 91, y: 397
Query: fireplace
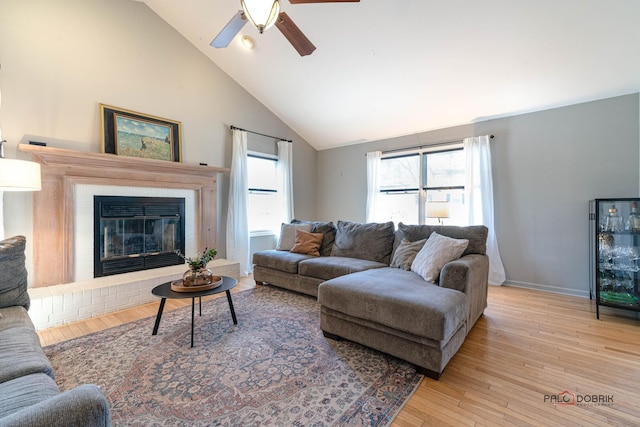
x: 137, y: 233
x: 59, y: 219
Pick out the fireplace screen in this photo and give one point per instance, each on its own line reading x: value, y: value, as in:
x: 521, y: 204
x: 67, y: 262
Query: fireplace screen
x: 137, y: 233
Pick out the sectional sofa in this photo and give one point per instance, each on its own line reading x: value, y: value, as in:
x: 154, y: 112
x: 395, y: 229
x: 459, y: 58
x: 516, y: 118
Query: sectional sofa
x: 29, y: 395
x: 378, y: 286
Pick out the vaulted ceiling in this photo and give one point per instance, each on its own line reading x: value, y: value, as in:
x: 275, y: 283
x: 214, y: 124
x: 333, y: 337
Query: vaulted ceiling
x: 386, y: 68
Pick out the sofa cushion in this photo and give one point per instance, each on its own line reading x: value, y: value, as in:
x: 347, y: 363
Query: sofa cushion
x: 279, y: 260
x: 288, y: 235
x: 328, y: 229
x: 13, y: 273
x: 404, y: 254
x: 25, y: 391
x: 397, y: 299
x: 20, y: 344
x: 329, y: 267
x: 436, y: 252
x: 475, y: 234
x: 307, y: 243
x: 371, y: 241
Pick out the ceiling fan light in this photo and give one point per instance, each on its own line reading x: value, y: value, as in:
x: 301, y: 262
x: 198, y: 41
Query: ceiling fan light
x: 261, y: 13
x: 248, y: 42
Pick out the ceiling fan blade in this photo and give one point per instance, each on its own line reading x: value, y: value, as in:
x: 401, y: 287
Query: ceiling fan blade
x: 299, y: 41
x: 322, y: 1
x: 230, y: 30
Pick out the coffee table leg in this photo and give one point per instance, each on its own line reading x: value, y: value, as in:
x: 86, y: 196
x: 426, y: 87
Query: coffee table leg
x: 200, y: 302
x: 159, y: 316
x: 233, y: 313
x: 193, y: 313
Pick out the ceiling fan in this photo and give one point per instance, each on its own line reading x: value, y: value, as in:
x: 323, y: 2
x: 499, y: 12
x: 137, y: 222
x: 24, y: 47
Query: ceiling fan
x: 265, y: 13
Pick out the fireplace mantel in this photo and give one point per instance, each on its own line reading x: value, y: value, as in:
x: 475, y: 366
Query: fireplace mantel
x: 53, y: 206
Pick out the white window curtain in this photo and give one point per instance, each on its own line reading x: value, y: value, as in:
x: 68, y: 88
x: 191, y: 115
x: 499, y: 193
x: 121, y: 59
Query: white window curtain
x: 238, y: 213
x: 285, y: 178
x: 1, y: 214
x: 373, y: 183
x: 479, y: 199
x: 1, y: 195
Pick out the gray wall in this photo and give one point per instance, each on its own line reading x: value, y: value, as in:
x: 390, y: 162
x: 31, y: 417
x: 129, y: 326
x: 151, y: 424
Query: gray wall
x: 61, y: 58
x: 546, y: 167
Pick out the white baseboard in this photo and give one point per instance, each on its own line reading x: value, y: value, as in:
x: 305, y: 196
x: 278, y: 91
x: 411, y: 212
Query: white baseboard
x: 609, y: 311
x: 548, y: 288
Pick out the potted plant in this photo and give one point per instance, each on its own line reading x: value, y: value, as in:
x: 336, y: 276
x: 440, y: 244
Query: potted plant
x: 198, y: 273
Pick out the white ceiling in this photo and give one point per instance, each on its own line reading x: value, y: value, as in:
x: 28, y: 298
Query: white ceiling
x: 386, y: 68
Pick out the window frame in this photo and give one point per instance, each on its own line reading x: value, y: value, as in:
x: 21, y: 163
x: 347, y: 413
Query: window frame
x: 252, y: 190
x: 423, y: 186
x: 404, y: 190
x: 425, y: 165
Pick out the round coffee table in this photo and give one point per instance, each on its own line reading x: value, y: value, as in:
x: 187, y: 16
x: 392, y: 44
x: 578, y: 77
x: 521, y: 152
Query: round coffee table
x: 164, y: 291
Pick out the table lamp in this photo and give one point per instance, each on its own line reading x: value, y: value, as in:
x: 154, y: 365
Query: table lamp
x: 438, y: 210
x: 18, y: 175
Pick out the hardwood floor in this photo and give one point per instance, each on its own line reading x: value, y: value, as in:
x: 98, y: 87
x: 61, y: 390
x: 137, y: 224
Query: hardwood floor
x: 528, y: 348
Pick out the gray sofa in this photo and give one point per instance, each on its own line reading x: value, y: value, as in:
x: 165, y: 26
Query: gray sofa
x: 28, y: 393
x: 366, y: 298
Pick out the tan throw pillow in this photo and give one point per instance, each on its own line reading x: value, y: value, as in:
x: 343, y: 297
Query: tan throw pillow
x: 288, y: 235
x: 307, y: 243
x: 326, y: 228
x: 436, y: 252
x: 405, y: 253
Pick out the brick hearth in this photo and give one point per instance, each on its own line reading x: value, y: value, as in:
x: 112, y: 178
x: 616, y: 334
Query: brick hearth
x: 59, y: 304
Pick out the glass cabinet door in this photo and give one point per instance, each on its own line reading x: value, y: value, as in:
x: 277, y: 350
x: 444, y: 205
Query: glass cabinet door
x: 617, y: 253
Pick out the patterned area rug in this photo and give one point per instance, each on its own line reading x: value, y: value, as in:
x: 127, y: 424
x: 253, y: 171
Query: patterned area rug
x: 275, y: 368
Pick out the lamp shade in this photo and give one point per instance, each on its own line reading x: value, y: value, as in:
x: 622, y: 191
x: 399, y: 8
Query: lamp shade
x: 261, y: 13
x: 19, y: 175
x: 437, y: 210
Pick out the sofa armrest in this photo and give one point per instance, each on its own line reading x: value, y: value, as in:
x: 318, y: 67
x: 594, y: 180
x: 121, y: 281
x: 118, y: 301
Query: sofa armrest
x: 469, y: 274
x: 13, y: 273
x: 84, y: 405
x: 460, y: 273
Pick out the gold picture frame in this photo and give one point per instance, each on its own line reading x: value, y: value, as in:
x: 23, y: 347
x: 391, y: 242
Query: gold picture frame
x: 134, y: 134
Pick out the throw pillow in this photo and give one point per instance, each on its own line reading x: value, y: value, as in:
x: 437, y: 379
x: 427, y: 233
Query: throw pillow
x: 13, y: 273
x: 476, y: 234
x: 405, y: 253
x: 412, y: 233
x: 288, y: 235
x: 326, y: 228
x: 436, y: 252
x: 307, y: 243
x: 371, y: 241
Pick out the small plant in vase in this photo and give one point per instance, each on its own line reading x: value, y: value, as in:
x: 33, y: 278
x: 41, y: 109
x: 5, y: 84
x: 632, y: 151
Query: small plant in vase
x: 198, y: 273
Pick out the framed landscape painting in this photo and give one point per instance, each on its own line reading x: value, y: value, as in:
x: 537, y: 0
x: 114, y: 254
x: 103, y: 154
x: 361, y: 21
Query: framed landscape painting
x: 128, y: 133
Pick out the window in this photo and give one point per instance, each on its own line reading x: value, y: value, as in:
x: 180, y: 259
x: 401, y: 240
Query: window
x: 413, y: 184
x: 265, y: 207
x: 400, y: 188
